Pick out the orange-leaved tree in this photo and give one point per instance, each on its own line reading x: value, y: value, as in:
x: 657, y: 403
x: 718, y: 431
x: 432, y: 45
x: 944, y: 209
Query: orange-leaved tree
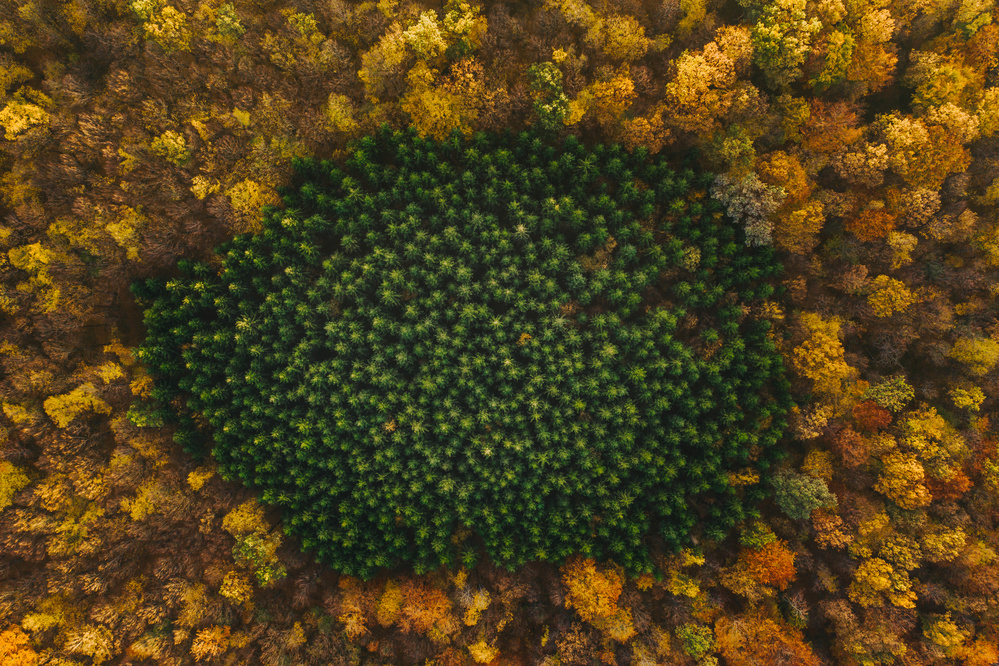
x: 757, y: 640
x: 771, y: 564
x: 15, y: 650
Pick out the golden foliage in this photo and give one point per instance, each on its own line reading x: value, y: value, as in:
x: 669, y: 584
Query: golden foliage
x: 818, y: 464
x: 171, y: 146
x: 247, y: 517
x: 981, y: 652
x: 594, y: 594
x: 480, y: 602
x: 902, y: 245
x: 821, y: 357
x: 427, y: 610
x: 390, y: 604
x: 62, y: 409
x: 483, y: 652
x: 12, y: 480
x: 18, y: 117
x: 944, y: 545
x: 236, y: 587
x: 439, y: 107
x: 889, y: 296
x: 970, y: 398
x: 146, y: 502
x: 15, y: 650
x: 901, y: 480
x: 199, y: 477
x: 91, y: 640
x: 167, y: 26
x: 944, y: 632
x: 247, y: 198
x: 875, y: 579
x: 699, y: 95
x: 210, y: 642
x: 797, y: 230
x: 340, y: 112
x: 605, y: 101
x: 988, y: 112
x: 623, y: 38
x: 980, y: 355
x: 382, y: 62
x: 37, y: 260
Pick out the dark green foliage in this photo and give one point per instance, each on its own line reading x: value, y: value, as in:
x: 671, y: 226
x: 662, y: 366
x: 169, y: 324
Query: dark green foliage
x: 492, y: 334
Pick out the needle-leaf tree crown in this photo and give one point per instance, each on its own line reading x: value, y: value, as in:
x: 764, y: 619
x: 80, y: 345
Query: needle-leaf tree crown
x: 436, y: 348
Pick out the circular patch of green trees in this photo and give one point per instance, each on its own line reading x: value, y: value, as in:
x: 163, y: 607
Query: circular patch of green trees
x: 498, y: 344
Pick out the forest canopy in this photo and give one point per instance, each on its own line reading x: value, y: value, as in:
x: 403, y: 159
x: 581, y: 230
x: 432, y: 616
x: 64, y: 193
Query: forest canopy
x: 545, y: 350
x: 855, y: 142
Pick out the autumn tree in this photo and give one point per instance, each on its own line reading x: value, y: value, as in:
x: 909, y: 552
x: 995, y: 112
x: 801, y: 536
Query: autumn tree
x: 754, y: 639
x: 772, y: 564
x: 781, y: 39
x: 427, y: 610
x: 821, y: 357
x: 889, y: 296
x: 871, y: 224
x: 593, y: 594
x: 876, y: 581
x: 164, y: 24
x: 13, y: 479
x: 700, y: 94
x: 751, y: 203
x: 870, y: 416
x: 902, y: 480
x: 551, y: 106
x: 15, y: 648
x: 979, y: 355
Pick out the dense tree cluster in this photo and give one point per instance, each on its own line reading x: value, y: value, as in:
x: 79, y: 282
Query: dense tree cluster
x: 548, y: 346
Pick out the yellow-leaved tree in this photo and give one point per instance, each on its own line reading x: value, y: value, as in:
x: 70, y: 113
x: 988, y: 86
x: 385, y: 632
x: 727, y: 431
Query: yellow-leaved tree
x: 12, y: 480
x: 701, y: 94
x: 889, y: 296
x: 979, y: 355
x: 876, y: 580
x: 594, y: 594
x: 821, y: 356
x: 62, y: 409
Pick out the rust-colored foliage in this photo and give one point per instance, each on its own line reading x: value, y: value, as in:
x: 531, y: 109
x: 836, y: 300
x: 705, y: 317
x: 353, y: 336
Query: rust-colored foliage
x: 829, y: 532
x: 755, y: 640
x: 950, y: 487
x: 869, y: 416
x: 772, y: 564
x: 648, y: 132
x: 871, y: 225
x: 830, y: 126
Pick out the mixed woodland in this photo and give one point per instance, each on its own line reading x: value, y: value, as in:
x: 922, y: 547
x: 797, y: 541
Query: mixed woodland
x: 853, y: 142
